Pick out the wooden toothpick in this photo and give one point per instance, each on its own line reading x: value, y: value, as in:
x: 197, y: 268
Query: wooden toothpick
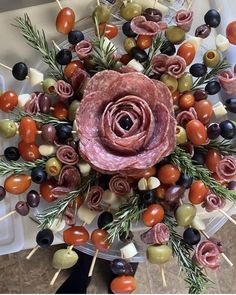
x: 59, y: 4
x: 93, y: 263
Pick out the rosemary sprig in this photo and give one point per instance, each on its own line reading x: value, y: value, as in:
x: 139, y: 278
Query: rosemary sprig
x: 181, y: 159
x: 7, y: 167
x: 37, y: 40
x: 225, y: 147
x: 223, y: 65
x: 195, y: 279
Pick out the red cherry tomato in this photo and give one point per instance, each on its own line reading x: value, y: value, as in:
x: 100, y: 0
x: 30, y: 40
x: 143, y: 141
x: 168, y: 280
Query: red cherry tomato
x: 126, y: 58
x: 29, y: 151
x: 76, y: 235
x: 186, y: 101
x: 8, y: 101
x: 204, y: 110
x: 108, y: 30
x: 196, y: 132
x: 153, y: 215
x: 168, y: 174
x: 175, y: 96
x: 79, y: 201
x: 144, y: 173
x: 60, y: 110
x: 198, y: 192
x: 144, y: 42
x: 231, y: 32
x: 187, y: 52
x: 72, y: 67
x: 123, y: 285
x: 45, y: 189
x: 65, y: 20
x: 99, y: 239
x: 212, y: 159
x: 28, y: 130
x: 17, y: 184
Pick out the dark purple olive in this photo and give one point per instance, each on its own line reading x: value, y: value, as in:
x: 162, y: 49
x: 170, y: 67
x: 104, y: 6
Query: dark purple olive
x: 104, y: 219
x: 191, y: 236
x: 168, y: 48
x: 200, y: 95
x: 126, y: 238
x: 33, y: 199
x: 231, y: 104
x: 20, y: 71
x: 185, y: 180
x: 198, y: 157
x: 213, y: 131
x: 198, y: 70
x: 44, y: 103
x: 148, y: 198
x: 212, y: 87
x: 45, y: 238
x: 2, y: 193
x: 203, y: 31
x: 152, y: 14
x: 22, y: 208
x: 38, y: 175
x: 121, y: 267
x: 173, y: 193
x: 232, y: 185
x: 227, y: 129
x: 48, y: 133
x: 212, y: 18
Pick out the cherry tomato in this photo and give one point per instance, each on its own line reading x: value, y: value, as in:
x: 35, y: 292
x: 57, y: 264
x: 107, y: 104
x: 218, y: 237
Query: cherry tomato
x: 186, y: 101
x: 213, y: 158
x: 28, y: 130
x: 98, y: 238
x: 17, y: 184
x: 76, y: 235
x: 144, y: 173
x: 216, y: 177
x: 110, y: 31
x: 168, y: 174
x: 8, y: 101
x: 29, y: 151
x: 126, y: 58
x: 231, y: 32
x: 79, y: 202
x: 196, y: 132
x: 72, y: 67
x: 161, y: 191
x: 204, y: 110
x: 198, y: 192
x: 175, y: 96
x: 123, y: 285
x: 60, y: 110
x: 187, y: 52
x: 153, y: 215
x: 65, y: 20
x: 144, y: 42
x: 45, y: 189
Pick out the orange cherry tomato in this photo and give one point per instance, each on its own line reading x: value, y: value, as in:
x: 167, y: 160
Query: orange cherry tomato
x: 29, y: 151
x: 123, y: 285
x: 79, y: 201
x: 60, y: 110
x: 72, y: 67
x: 99, y: 239
x: 108, y: 30
x: 126, y: 58
x: 212, y: 159
x: 186, y: 101
x: 231, y: 32
x: 27, y: 130
x: 198, y: 192
x: 175, y: 96
x: 65, y: 20
x: 187, y: 52
x: 8, y: 101
x: 204, y: 110
x: 76, y: 235
x: 153, y: 215
x: 161, y: 191
x: 144, y: 173
x: 168, y: 174
x: 196, y: 132
x: 45, y: 189
x: 17, y: 184
x: 144, y: 42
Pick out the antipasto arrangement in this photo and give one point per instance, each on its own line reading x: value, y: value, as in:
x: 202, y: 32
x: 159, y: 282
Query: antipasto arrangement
x: 124, y: 135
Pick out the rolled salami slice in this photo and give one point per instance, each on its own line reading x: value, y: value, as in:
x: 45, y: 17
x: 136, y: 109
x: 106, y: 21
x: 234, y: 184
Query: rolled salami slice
x: 184, y: 19
x: 95, y: 198
x: 207, y: 254
x: 32, y: 105
x: 158, y: 234
x: 141, y: 26
x: 159, y: 63
x: 78, y: 79
x: 226, y: 168
x: 119, y: 185
x: 175, y: 66
x: 227, y: 80
x: 69, y: 217
x: 213, y: 202
x: 67, y: 155
x: 83, y: 49
x: 186, y: 116
x: 63, y: 90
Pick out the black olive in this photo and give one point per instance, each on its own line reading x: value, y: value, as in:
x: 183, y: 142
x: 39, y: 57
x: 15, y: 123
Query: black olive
x: 11, y: 153
x: 198, y: 157
x: 203, y: 31
x: 232, y: 185
x: 103, y: 181
x: 168, y: 48
x: 213, y: 131
x: 63, y: 132
x: 231, y: 105
x: 212, y: 18
x: 120, y: 266
x: 152, y: 14
x: 198, y: 70
x: 126, y: 238
x: 38, y: 175
x: 2, y: 193
x: 44, y: 238
x: 74, y: 37
x: 200, y: 95
x: 128, y: 31
x: 212, y: 87
x: 22, y: 208
x: 104, y: 219
x: 20, y: 71
x: 125, y: 122
x: 148, y: 198
x: 185, y: 180
x: 139, y: 54
x: 33, y: 198
x: 64, y: 57
x: 227, y: 129
x: 191, y: 236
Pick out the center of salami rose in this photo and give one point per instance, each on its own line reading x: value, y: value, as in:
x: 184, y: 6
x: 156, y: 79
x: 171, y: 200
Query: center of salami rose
x: 125, y: 122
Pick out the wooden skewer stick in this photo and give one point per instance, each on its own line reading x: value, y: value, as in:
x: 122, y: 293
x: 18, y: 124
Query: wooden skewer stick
x: 59, y: 4
x: 190, y: 3
x: 226, y: 215
x: 93, y: 263
x: 7, y: 215
x: 55, y: 45
x: 98, y: 2
x: 163, y: 276
x: 32, y: 252
x: 55, y: 277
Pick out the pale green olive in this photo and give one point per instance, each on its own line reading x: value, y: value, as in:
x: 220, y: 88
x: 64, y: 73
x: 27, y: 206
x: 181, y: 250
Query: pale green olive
x: 130, y: 10
x: 185, y: 82
x: 72, y: 109
x: 181, y: 135
x: 175, y: 34
x: 103, y: 13
x: 211, y: 58
x: 64, y: 258
x: 159, y: 254
x: 8, y: 128
x: 185, y: 214
x: 170, y: 82
x: 48, y: 85
x: 53, y: 166
x: 129, y: 44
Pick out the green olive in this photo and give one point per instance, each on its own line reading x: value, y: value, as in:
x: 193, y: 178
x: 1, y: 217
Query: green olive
x: 130, y: 10
x: 185, y: 214
x: 170, y: 82
x: 118, y: 65
x: 211, y: 58
x: 8, y: 128
x: 129, y: 44
x: 159, y: 254
x: 72, y: 109
x: 53, y: 166
x: 103, y: 13
x: 48, y: 85
x: 185, y: 82
x: 64, y: 258
x: 181, y: 135
x: 175, y: 34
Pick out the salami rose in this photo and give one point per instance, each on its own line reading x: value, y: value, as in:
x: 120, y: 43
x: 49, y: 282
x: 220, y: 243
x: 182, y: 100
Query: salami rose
x: 159, y: 63
x: 207, y: 254
x: 158, y: 234
x: 67, y: 155
x: 95, y: 198
x: 125, y: 122
x: 64, y: 90
x: 186, y: 116
x: 227, y: 80
x: 119, y: 185
x: 226, y: 168
x: 213, y: 202
x: 184, y: 19
x: 69, y: 217
x: 141, y: 26
x: 32, y: 106
x: 175, y: 66
x: 83, y: 49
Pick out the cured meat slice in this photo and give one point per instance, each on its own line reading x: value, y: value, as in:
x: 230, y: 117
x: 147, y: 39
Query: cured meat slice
x: 78, y: 79
x: 32, y: 106
x: 176, y: 66
x: 95, y: 198
x: 141, y: 26
x: 213, y: 202
x: 83, y: 49
x: 158, y: 234
x: 227, y: 80
x: 119, y: 185
x: 207, y: 254
x: 127, y: 69
x: 159, y: 63
x: 184, y: 19
x: 226, y: 168
x: 186, y: 116
x: 69, y: 217
x: 67, y: 155
x: 163, y: 95
x: 64, y: 90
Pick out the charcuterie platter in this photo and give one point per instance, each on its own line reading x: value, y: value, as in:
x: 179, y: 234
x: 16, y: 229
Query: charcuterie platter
x: 116, y: 141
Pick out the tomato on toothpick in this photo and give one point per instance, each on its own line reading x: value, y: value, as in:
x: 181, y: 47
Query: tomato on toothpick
x: 144, y: 42
x: 28, y: 130
x: 108, y: 30
x: 186, y: 101
x: 204, y: 110
x: 17, y: 184
x: 212, y: 159
x: 196, y: 132
x: 65, y: 20
x: 153, y: 215
x: 175, y: 96
x: 198, y: 192
x: 231, y: 32
x: 187, y: 52
x: 60, y: 110
x: 126, y: 58
x: 72, y: 67
x: 160, y: 191
x: 46, y: 188
x: 8, y: 101
x: 168, y: 174
x: 29, y: 151
x: 123, y: 284
x: 76, y: 236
